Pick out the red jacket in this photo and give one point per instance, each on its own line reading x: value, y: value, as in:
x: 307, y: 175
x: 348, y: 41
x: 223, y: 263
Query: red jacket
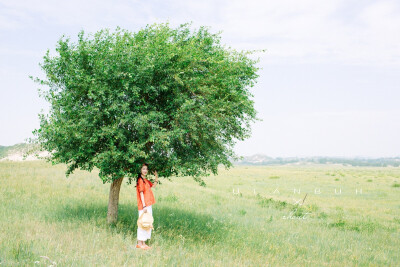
x: 144, y: 185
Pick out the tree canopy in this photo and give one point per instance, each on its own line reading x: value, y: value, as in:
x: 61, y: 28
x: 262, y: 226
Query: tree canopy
x: 175, y: 98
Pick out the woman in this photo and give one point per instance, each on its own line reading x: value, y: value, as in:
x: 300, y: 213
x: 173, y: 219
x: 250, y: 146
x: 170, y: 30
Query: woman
x: 145, y: 200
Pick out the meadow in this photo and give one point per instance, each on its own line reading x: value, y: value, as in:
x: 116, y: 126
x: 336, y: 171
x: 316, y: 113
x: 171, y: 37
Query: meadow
x: 245, y: 216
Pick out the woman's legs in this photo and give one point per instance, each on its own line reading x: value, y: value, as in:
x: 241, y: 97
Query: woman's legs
x: 140, y: 232
x: 148, y: 233
x: 143, y: 235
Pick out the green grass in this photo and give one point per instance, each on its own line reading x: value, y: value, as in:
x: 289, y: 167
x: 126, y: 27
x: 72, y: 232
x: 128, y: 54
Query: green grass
x: 45, y: 218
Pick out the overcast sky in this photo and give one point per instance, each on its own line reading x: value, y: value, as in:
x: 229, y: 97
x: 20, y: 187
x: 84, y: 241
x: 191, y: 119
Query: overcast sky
x: 329, y: 83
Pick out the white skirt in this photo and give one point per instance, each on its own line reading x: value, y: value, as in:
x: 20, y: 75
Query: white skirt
x: 143, y: 235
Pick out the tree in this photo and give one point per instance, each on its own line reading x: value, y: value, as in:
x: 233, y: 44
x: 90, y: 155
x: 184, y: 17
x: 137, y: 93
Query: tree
x: 174, y: 98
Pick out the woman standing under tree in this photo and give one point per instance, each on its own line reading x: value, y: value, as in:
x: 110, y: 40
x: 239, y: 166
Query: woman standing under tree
x: 145, y: 200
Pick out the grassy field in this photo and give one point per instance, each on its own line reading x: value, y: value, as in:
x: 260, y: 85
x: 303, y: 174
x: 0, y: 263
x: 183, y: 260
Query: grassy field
x: 246, y: 216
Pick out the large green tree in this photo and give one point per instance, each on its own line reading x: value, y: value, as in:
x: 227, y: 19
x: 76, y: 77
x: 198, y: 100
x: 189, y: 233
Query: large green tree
x: 172, y: 97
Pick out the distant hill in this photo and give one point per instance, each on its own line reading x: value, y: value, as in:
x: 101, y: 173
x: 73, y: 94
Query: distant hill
x: 17, y: 151
x: 6, y: 150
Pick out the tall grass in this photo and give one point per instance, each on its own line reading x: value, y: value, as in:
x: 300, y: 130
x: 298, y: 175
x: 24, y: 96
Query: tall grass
x: 246, y: 216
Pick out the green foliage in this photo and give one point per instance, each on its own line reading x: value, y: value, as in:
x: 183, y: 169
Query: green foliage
x: 366, y: 226
x: 3, y: 151
x: 274, y: 177
x: 174, y: 98
x: 270, y: 202
x: 23, y: 251
x: 242, y: 212
x: 171, y: 198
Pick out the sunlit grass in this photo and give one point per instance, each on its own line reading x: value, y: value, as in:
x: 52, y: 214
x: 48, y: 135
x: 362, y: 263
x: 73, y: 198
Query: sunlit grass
x: 246, y: 216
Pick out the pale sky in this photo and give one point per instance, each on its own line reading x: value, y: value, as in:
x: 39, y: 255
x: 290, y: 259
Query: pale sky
x: 329, y: 83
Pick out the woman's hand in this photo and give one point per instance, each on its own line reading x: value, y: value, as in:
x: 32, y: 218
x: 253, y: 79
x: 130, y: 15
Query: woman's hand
x: 145, y: 209
x: 156, y: 181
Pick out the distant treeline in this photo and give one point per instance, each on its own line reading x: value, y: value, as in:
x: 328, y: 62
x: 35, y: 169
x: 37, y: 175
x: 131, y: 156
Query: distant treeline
x: 356, y: 161
x: 260, y: 159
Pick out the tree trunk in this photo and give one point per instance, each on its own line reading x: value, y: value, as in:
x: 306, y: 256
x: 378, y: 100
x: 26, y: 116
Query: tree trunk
x: 112, y: 213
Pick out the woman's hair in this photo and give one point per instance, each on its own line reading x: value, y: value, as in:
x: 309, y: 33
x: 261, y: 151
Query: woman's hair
x: 140, y: 172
